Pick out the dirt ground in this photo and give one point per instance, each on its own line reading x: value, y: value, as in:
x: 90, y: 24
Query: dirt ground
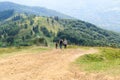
x: 51, y: 65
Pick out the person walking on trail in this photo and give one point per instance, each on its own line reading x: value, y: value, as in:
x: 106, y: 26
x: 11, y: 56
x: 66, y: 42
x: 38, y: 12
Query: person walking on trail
x: 60, y: 43
x: 56, y: 45
x: 65, y: 43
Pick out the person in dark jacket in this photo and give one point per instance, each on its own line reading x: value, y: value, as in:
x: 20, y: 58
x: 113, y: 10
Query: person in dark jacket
x: 56, y: 45
x: 60, y: 43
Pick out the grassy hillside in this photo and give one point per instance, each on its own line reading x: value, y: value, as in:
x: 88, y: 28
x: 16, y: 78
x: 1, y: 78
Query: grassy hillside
x: 12, y: 51
x: 24, y: 29
x: 106, y: 61
x: 86, y: 34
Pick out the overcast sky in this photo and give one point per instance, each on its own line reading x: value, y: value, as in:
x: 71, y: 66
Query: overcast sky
x: 75, y: 8
x: 66, y: 5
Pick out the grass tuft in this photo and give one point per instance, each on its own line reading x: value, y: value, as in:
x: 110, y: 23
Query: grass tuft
x: 10, y: 51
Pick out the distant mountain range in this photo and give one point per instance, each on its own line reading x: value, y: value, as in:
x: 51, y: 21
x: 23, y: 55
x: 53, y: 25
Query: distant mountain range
x: 31, y: 10
x: 107, y: 18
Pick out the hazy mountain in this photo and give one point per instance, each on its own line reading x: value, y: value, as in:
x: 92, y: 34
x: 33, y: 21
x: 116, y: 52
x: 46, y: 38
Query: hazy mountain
x: 107, y: 18
x: 6, y: 14
x: 110, y: 20
x: 30, y: 10
x: 104, y: 17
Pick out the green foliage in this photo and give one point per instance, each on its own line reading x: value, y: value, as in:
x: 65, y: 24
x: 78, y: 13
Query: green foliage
x: 36, y: 29
x: 20, y: 29
x: 31, y: 22
x: 56, y: 18
x: 15, y: 18
x: 10, y: 40
x: 26, y: 26
x: 86, y: 34
x: 41, y: 41
x: 46, y: 32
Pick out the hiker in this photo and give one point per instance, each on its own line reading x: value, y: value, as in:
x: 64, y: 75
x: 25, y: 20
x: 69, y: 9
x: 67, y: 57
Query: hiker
x: 60, y: 43
x: 65, y: 43
x: 56, y: 44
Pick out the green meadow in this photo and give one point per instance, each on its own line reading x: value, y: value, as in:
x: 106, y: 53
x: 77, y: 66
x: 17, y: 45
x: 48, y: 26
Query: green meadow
x: 107, y: 60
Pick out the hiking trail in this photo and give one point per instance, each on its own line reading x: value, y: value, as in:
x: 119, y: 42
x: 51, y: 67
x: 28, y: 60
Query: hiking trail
x: 49, y: 65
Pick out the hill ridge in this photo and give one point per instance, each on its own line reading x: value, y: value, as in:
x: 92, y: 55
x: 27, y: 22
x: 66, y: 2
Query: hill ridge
x: 25, y: 30
x: 41, y: 11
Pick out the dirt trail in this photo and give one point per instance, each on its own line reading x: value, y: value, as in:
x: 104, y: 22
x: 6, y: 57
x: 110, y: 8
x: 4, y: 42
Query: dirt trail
x: 52, y: 65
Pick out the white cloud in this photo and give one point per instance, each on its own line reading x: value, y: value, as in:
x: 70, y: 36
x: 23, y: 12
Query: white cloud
x: 115, y: 9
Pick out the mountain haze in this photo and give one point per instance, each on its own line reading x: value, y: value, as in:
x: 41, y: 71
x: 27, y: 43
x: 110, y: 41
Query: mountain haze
x: 104, y: 19
x: 107, y: 17
x: 31, y: 10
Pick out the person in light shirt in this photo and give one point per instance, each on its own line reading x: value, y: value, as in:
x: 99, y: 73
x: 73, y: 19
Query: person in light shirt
x: 65, y: 43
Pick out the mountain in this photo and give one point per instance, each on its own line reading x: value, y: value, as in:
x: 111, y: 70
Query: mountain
x: 107, y: 18
x: 86, y: 34
x: 24, y: 29
x: 31, y: 10
x: 20, y: 29
x: 6, y: 14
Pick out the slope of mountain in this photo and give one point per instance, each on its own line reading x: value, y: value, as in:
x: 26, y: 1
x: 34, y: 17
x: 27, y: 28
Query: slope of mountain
x: 107, y: 19
x: 4, y: 15
x: 83, y: 33
x: 24, y: 29
x: 30, y: 10
x: 110, y: 20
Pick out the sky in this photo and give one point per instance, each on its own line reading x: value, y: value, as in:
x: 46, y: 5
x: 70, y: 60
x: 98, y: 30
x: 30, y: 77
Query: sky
x: 66, y: 6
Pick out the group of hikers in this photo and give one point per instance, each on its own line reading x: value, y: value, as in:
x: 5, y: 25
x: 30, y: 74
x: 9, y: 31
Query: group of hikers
x: 61, y: 43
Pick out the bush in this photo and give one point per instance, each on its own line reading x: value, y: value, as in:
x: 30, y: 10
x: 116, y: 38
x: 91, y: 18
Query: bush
x: 41, y: 41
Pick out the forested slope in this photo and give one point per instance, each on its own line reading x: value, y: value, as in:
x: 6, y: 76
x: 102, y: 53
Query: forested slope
x: 25, y: 29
